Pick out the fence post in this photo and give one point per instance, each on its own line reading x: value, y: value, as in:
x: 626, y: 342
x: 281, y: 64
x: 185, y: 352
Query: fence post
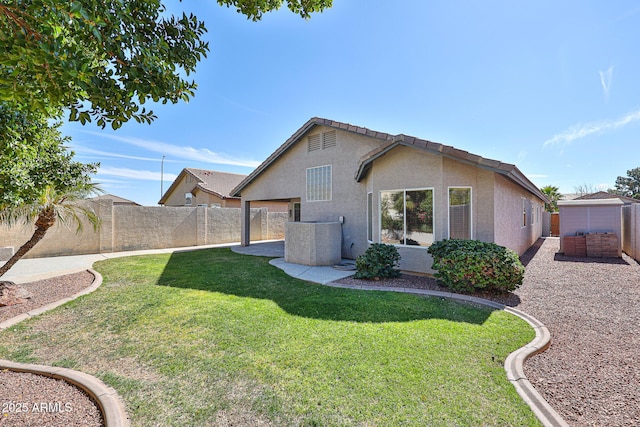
x: 201, y: 225
x: 105, y: 212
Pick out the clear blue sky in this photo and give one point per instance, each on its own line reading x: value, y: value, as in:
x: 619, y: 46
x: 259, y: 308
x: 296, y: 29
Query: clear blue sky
x: 550, y: 86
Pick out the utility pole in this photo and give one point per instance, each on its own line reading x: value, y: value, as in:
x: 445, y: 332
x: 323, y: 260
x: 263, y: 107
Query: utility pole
x: 162, y: 177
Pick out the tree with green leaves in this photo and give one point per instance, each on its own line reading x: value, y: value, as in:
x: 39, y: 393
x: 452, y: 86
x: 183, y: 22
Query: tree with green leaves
x: 51, y: 207
x: 104, y: 59
x: 41, y: 183
x: 553, y: 194
x: 629, y: 185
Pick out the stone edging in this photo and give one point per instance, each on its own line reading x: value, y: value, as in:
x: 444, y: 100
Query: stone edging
x: 514, y: 363
x: 111, y: 406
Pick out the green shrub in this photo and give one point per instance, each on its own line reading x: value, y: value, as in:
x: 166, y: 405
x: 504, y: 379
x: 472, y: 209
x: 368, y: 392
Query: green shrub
x: 468, y: 265
x: 379, y: 261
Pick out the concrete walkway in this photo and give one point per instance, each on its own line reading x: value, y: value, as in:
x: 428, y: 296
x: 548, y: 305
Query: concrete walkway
x: 31, y: 269
x: 316, y: 274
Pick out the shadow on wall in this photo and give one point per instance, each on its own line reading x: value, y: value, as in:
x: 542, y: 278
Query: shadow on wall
x: 220, y: 270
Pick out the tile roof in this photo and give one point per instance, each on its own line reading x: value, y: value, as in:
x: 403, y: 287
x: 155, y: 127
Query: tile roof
x: 605, y: 195
x: 117, y: 200
x: 217, y: 183
x: 389, y: 142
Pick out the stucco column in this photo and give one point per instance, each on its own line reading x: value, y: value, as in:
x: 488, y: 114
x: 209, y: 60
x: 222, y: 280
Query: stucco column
x: 245, y: 223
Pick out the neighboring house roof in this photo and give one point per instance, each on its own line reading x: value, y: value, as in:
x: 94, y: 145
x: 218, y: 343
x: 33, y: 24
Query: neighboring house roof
x: 605, y: 195
x: 116, y: 199
x: 216, y: 183
x: 389, y: 142
x: 570, y: 196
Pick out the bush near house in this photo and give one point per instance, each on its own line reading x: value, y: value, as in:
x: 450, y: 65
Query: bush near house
x: 379, y: 261
x: 468, y: 265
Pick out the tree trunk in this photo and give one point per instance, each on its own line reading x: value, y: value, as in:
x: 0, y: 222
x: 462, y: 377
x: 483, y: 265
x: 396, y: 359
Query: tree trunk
x: 44, y: 222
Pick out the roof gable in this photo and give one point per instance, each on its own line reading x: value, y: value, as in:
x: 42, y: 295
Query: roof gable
x: 212, y: 182
x: 387, y: 143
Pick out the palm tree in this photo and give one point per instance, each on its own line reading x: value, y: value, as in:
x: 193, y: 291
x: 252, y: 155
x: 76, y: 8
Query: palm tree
x: 553, y: 194
x: 50, y: 207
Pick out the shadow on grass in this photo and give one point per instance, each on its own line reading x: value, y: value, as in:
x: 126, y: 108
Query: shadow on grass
x: 222, y: 271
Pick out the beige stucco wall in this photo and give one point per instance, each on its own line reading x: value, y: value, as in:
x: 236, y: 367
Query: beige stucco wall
x: 286, y: 179
x: 509, y: 229
x: 176, y: 197
x: 496, y: 201
x: 127, y: 228
x: 187, y: 184
x: 313, y: 243
x: 406, y: 168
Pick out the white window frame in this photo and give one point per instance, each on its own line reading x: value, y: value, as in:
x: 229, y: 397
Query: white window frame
x: 370, y: 217
x: 327, y: 193
x: 188, y: 196
x: 523, y: 214
x: 404, y: 215
x: 470, y: 209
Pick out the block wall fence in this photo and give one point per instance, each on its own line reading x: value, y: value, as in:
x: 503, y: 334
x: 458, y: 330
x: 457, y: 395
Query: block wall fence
x: 129, y: 228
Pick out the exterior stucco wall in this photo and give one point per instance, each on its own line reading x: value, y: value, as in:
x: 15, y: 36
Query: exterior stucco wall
x: 286, y: 179
x: 176, y: 197
x: 127, y: 228
x: 509, y: 230
x: 406, y: 168
x: 316, y: 243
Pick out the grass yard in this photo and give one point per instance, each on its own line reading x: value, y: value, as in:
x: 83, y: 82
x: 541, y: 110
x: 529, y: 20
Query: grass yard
x: 216, y: 338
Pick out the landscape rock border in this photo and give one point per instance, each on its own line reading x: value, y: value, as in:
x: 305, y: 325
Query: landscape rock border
x: 109, y: 402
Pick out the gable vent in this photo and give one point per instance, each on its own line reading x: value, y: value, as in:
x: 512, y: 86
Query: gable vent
x: 328, y: 139
x: 313, y: 143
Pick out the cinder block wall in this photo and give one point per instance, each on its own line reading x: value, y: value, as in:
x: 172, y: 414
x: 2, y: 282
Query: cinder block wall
x: 128, y: 228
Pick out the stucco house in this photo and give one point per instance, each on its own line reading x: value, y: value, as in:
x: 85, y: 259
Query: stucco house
x: 350, y: 186
x: 195, y: 187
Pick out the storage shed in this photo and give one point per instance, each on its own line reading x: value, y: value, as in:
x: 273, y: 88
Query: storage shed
x: 591, y: 228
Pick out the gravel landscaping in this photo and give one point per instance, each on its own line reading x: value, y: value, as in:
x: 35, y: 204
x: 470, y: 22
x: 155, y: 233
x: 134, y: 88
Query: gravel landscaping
x: 590, y: 374
x: 35, y: 400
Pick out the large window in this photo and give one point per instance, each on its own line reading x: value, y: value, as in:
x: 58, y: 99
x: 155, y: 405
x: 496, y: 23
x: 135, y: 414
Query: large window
x: 459, y: 213
x: 319, y: 184
x: 406, y: 217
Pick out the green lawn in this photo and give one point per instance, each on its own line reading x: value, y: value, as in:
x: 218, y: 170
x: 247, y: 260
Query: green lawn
x: 212, y: 337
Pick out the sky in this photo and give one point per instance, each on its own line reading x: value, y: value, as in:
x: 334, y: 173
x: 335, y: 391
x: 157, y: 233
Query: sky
x: 550, y: 86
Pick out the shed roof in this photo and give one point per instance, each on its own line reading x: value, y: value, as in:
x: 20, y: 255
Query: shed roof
x: 590, y: 202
